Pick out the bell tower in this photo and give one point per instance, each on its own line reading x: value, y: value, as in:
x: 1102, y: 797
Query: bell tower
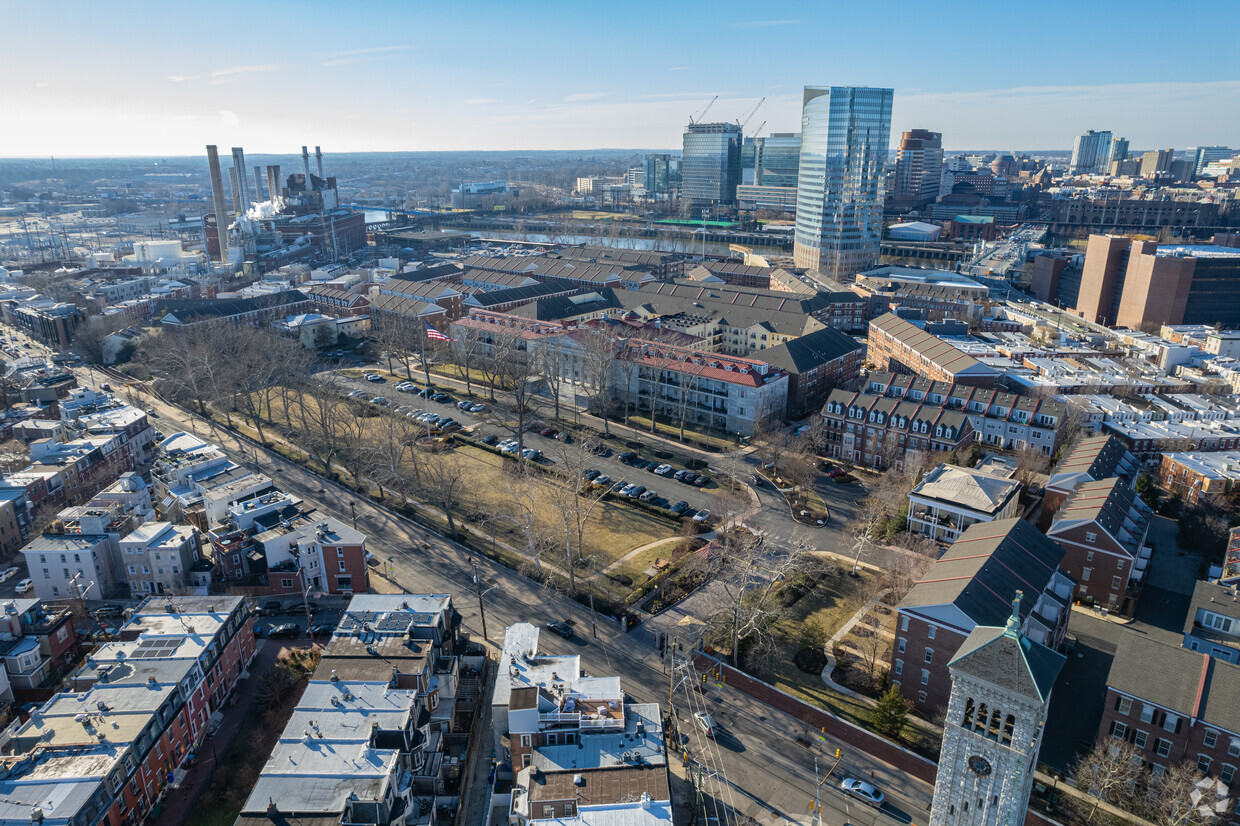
x: 1001, y: 687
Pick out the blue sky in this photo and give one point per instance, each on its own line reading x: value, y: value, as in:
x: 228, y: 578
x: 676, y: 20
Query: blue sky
x: 137, y: 78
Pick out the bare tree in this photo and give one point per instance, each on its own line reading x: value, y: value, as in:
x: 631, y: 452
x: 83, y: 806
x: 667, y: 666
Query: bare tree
x: 397, y: 466
x: 521, y: 404
x: 466, y: 354
x: 90, y: 338
x: 1108, y: 772
x: 548, y: 358
x: 575, y: 505
x: 907, y: 567
x: 525, y: 504
x: 500, y: 348
x: 1031, y: 466
x: 1183, y: 797
x: 444, y: 482
x: 322, y: 414
x: 599, y: 345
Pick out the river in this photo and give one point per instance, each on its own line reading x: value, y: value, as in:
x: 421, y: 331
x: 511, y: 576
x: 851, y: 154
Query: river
x: 622, y: 243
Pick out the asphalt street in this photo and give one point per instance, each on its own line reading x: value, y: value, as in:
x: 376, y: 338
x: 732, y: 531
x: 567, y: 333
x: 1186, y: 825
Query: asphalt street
x: 760, y: 756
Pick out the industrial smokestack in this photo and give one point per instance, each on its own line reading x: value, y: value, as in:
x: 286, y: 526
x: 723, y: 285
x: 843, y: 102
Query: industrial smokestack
x: 217, y: 198
x: 239, y: 165
x: 318, y: 159
x: 258, y: 184
x: 305, y: 164
x: 273, y: 181
x: 236, y: 192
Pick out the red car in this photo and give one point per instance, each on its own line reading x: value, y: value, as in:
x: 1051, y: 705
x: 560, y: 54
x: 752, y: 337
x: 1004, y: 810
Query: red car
x: 833, y: 472
x: 548, y: 432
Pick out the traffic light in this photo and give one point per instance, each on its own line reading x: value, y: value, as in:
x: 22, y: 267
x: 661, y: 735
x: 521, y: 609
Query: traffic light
x: 838, y: 754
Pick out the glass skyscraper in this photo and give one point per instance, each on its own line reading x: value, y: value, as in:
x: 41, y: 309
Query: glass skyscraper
x: 778, y: 159
x: 710, y: 167
x: 655, y: 168
x: 1091, y: 154
x: 845, y: 131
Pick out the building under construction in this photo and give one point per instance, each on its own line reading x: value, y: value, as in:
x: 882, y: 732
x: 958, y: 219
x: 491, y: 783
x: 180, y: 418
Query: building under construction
x: 300, y: 219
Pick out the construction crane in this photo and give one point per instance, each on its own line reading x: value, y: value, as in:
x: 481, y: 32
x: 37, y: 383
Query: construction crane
x: 698, y: 117
x: 752, y: 112
x: 758, y: 131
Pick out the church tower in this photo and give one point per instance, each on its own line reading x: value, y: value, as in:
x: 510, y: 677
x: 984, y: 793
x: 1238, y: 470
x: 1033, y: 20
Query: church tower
x: 1001, y: 687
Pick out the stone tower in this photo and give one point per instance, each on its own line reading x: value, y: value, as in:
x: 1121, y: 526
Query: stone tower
x: 1001, y: 687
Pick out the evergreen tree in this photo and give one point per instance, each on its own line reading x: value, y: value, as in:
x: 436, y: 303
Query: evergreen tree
x: 891, y: 713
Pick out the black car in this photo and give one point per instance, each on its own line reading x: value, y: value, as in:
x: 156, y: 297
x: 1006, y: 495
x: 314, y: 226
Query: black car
x: 109, y: 611
x: 679, y: 507
x: 426, y: 392
x: 296, y: 609
x: 627, y: 458
x: 601, y: 450
x: 490, y: 439
x: 285, y: 631
x: 322, y: 630
x: 561, y: 628
x: 441, y: 397
x: 270, y: 608
x: 589, y: 475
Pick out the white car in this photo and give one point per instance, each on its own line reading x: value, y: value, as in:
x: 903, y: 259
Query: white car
x: 8, y: 574
x: 701, y: 516
x: 705, y: 722
x: 863, y: 791
x: 25, y: 585
x: 356, y: 394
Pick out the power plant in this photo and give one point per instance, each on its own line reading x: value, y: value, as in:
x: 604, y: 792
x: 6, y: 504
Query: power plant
x: 299, y: 220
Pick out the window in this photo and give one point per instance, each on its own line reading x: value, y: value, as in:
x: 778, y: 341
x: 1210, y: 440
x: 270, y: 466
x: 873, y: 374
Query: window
x: 1163, y: 749
x: 552, y: 739
x: 1203, y: 763
x: 66, y: 573
x: 929, y: 655
x: 133, y: 570
x: 925, y: 676
x: 1089, y: 556
x: 904, y: 623
x: 901, y: 645
x: 1211, y: 737
x: 899, y: 669
x: 1226, y: 772
x: 921, y: 696
x: 342, y: 568
x: 1090, y: 536
x: 1085, y: 574
x: 930, y: 632
x: 525, y: 760
x: 525, y: 740
x: 1116, y: 583
x: 340, y: 552
x: 1123, y: 704
x: 1118, y: 730
x: 1171, y: 723
x: 570, y: 809
x: 1138, y: 738
x: 286, y: 583
x: 1234, y: 749
x: 1147, y: 713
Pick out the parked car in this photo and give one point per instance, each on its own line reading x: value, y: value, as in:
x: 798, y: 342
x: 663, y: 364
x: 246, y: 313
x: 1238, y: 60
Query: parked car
x: 322, y: 630
x: 450, y: 426
x: 756, y: 480
x: 110, y: 610
x: 379, y: 401
x: 477, y: 407
x: 619, y: 485
x: 680, y: 475
x: 601, y: 450
x: 835, y: 471
x: 600, y: 481
x: 627, y: 457
x: 284, y: 631
x: 404, y: 387
x: 702, y: 515
x: 705, y: 722
x: 637, y: 491
x: 374, y: 377
x: 548, y: 432
x: 863, y: 791
x: 9, y: 573
x: 589, y: 475
x: 356, y: 394
x: 649, y: 496
x: 531, y: 454
x: 565, y: 437
x: 297, y: 609
x: 664, y: 470
x: 490, y: 439
x: 562, y: 628
x: 701, y: 481
x: 679, y: 507
x: 105, y: 387
x: 628, y: 487
x: 464, y: 404
x: 509, y: 446
x: 270, y: 608
x: 442, y: 398
x: 426, y: 392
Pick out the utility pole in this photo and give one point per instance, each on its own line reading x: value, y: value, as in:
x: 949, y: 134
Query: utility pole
x: 353, y: 511
x: 478, y: 588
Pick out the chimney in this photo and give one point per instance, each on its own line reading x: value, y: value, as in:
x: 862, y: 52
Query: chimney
x: 318, y: 160
x: 305, y: 165
x: 217, y: 197
x: 273, y: 181
x: 242, y: 178
x: 258, y: 184
x: 236, y: 193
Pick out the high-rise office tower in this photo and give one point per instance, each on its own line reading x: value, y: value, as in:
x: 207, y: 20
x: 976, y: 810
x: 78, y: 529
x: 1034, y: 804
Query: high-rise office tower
x: 919, y: 166
x: 845, y: 131
x: 1091, y: 154
x: 655, y: 172
x: 710, y: 166
x: 1119, y: 149
x: 1203, y: 155
x: 778, y: 159
x: 1158, y: 160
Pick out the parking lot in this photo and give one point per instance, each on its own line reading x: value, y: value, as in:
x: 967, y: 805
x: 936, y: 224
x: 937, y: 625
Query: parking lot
x: 479, y: 426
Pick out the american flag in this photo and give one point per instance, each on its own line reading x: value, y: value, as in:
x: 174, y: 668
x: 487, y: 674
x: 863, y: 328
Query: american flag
x: 435, y: 335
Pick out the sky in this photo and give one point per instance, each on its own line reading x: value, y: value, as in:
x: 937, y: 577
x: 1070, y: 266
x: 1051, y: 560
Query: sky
x: 142, y: 78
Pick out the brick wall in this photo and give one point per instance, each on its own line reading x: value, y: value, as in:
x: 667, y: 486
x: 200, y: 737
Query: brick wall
x: 871, y: 743
x: 917, y: 639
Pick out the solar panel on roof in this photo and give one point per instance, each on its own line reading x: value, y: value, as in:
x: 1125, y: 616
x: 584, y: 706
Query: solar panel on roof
x: 157, y: 648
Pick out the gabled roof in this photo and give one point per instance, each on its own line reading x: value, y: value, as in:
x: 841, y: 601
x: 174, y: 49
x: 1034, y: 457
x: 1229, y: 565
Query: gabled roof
x: 812, y: 350
x: 201, y: 309
x: 1097, y: 457
x: 1107, y: 503
x: 1007, y: 658
x: 982, y: 570
x: 1189, y: 683
x: 570, y: 306
x: 934, y: 349
x: 968, y: 488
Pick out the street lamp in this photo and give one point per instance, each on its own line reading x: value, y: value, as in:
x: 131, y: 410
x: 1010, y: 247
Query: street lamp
x: 353, y: 511
x: 478, y: 587
x: 305, y: 599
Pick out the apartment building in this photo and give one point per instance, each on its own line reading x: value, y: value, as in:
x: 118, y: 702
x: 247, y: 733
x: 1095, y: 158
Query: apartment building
x: 105, y: 752
x: 1212, y: 624
x: 578, y: 751
x: 65, y: 565
x: 741, y: 306
x: 1002, y: 420
x: 377, y: 737
x: 1102, y: 527
x: 1174, y: 705
x: 312, y: 551
x: 933, y: 295
x: 816, y: 364
x: 968, y: 587
x: 949, y: 499
x: 1090, y: 460
x: 900, y: 346
x: 1200, y: 477
x: 38, y: 639
x: 159, y: 557
x: 180, y: 316
x: 881, y: 432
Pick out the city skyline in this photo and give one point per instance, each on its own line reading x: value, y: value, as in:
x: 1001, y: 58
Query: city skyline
x: 128, y: 80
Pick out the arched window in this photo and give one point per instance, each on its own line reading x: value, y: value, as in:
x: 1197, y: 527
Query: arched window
x: 1009, y: 726
x: 983, y: 714
x: 995, y: 722
x: 966, y: 721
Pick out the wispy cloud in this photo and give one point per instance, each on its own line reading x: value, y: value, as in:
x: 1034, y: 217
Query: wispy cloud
x: 228, y: 73
x: 531, y: 101
x: 680, y: 68
x: 229, y: 118
x: 584, y: 96
x: 352, y: 56
x: 764, y: 24
x: 479, y: 101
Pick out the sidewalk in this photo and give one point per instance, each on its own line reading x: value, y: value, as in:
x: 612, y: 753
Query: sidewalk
x: 179, y: 802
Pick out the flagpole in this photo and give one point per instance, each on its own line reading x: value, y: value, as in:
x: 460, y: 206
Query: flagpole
x: 427, y: 375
